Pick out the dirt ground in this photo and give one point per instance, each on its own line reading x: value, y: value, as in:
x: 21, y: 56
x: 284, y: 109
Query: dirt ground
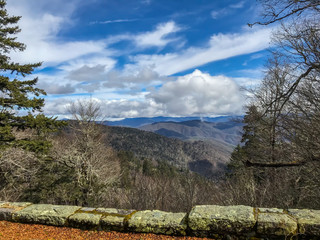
x: 19, y: 231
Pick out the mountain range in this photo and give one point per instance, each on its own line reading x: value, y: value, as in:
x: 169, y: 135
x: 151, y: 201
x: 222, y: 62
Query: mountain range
x: 208, y: 158
x: 228, y: 133
x: 201, y: 146
x: 138, y: 122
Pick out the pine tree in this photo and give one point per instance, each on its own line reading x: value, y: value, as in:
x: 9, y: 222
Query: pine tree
x: 20, y: 101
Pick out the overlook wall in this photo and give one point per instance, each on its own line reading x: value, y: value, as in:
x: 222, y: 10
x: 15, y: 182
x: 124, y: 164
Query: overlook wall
x: 219, y: 222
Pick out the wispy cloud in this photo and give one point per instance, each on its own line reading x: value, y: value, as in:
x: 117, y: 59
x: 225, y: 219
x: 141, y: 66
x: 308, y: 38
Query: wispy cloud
x: 114, y: 21
x: 40, y: 31
x: 220, y: 46
x: 146, y: 2
x: 216, y: 14
x: 159, y: 37
x: 238, y: 5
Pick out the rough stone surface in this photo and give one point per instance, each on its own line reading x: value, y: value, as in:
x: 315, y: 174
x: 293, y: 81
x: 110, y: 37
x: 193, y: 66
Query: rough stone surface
x: 123, y: 212
x: 87, y: 209
x: 218, y: 222
x: 107, y: 210
x: 210, y: 219
x: 114, y: 219
x: 7, y: 209
x: 276, y: 224
x: 158, y: 222
x: 84, y: 220
x: 45, y: 214
x: 308, y: 221
x: 270, y: 210
x: 112, y: 223
x: 5, y: 214
x: 15, y: 205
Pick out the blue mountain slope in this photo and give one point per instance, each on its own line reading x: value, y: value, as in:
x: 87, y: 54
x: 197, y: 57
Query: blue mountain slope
x: 228, y: 132
x: 138, y: 122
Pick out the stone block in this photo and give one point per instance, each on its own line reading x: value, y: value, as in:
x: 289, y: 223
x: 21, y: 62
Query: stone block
x: 84, y: 220
x: 114, y: 219
x: 277, y: 224
x: 308, y: 221
x: 113, y: 223
x: 45, y: 214
x: 6, y: 214
x: 8, y: 208
x: 208, y: 220
x: 158, y: 222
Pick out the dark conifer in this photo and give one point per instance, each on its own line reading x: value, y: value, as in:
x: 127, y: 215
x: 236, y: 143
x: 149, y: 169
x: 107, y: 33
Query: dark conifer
x: 20, y: 99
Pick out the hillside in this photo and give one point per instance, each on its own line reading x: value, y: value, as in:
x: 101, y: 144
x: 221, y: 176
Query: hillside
x: 206, y: 158
x: 228, y: 132
x: 139, y: 122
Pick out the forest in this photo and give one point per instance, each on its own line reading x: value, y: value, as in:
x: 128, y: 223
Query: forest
x: 277, y: 164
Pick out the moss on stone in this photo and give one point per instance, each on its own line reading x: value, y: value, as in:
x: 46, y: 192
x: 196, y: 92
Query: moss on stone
x: 276, y: 224
x: 84, y: 220
x: 308, y: 221
x: 158, y: 222
x: 45, y: 213
x: 209, y: 219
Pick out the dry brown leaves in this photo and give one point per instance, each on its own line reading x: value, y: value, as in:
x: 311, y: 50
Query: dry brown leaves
x: 19, y: 231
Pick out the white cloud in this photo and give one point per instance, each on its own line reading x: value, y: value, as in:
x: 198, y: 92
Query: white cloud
x: 221, y: 46
x: 238, y: 5
x: 116, y: 108
x: 247, y: 82
x: 35, y: 7
x: 54, y: 88
x: 129, y: 108
x: 114, y: 21
x: 90, y: 75
x: 144, y: 75
x: 199, y: 93
x: 159, y: 37
x: 193, y: 94
x: 40, y: 26
x: 215, y: 14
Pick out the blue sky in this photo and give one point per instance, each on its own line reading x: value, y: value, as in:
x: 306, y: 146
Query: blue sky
x: 144, y: 58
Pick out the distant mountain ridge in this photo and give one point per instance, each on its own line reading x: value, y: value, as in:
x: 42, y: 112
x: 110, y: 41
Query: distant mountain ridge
x: 138, y: 122
x: 228, y: 132
x: 206, y: 158
x: 203, y: 145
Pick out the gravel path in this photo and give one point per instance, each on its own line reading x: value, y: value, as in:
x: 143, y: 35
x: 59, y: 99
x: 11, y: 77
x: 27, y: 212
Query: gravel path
x: 19, y: 231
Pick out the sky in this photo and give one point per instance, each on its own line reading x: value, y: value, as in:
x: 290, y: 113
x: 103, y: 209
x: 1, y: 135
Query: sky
x: 143, y: 58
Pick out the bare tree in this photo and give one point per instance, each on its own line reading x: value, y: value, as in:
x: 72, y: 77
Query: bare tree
x: 275, y: 11
x: 17, y: 168
x: 298, y: 38
x: 84, y: 150
x: 281, y: 140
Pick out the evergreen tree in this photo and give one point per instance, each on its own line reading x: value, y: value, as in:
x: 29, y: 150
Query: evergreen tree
x: 20, y: 101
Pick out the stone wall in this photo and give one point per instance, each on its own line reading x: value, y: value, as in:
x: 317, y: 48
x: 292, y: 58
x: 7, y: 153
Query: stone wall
x: 219, y: 222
